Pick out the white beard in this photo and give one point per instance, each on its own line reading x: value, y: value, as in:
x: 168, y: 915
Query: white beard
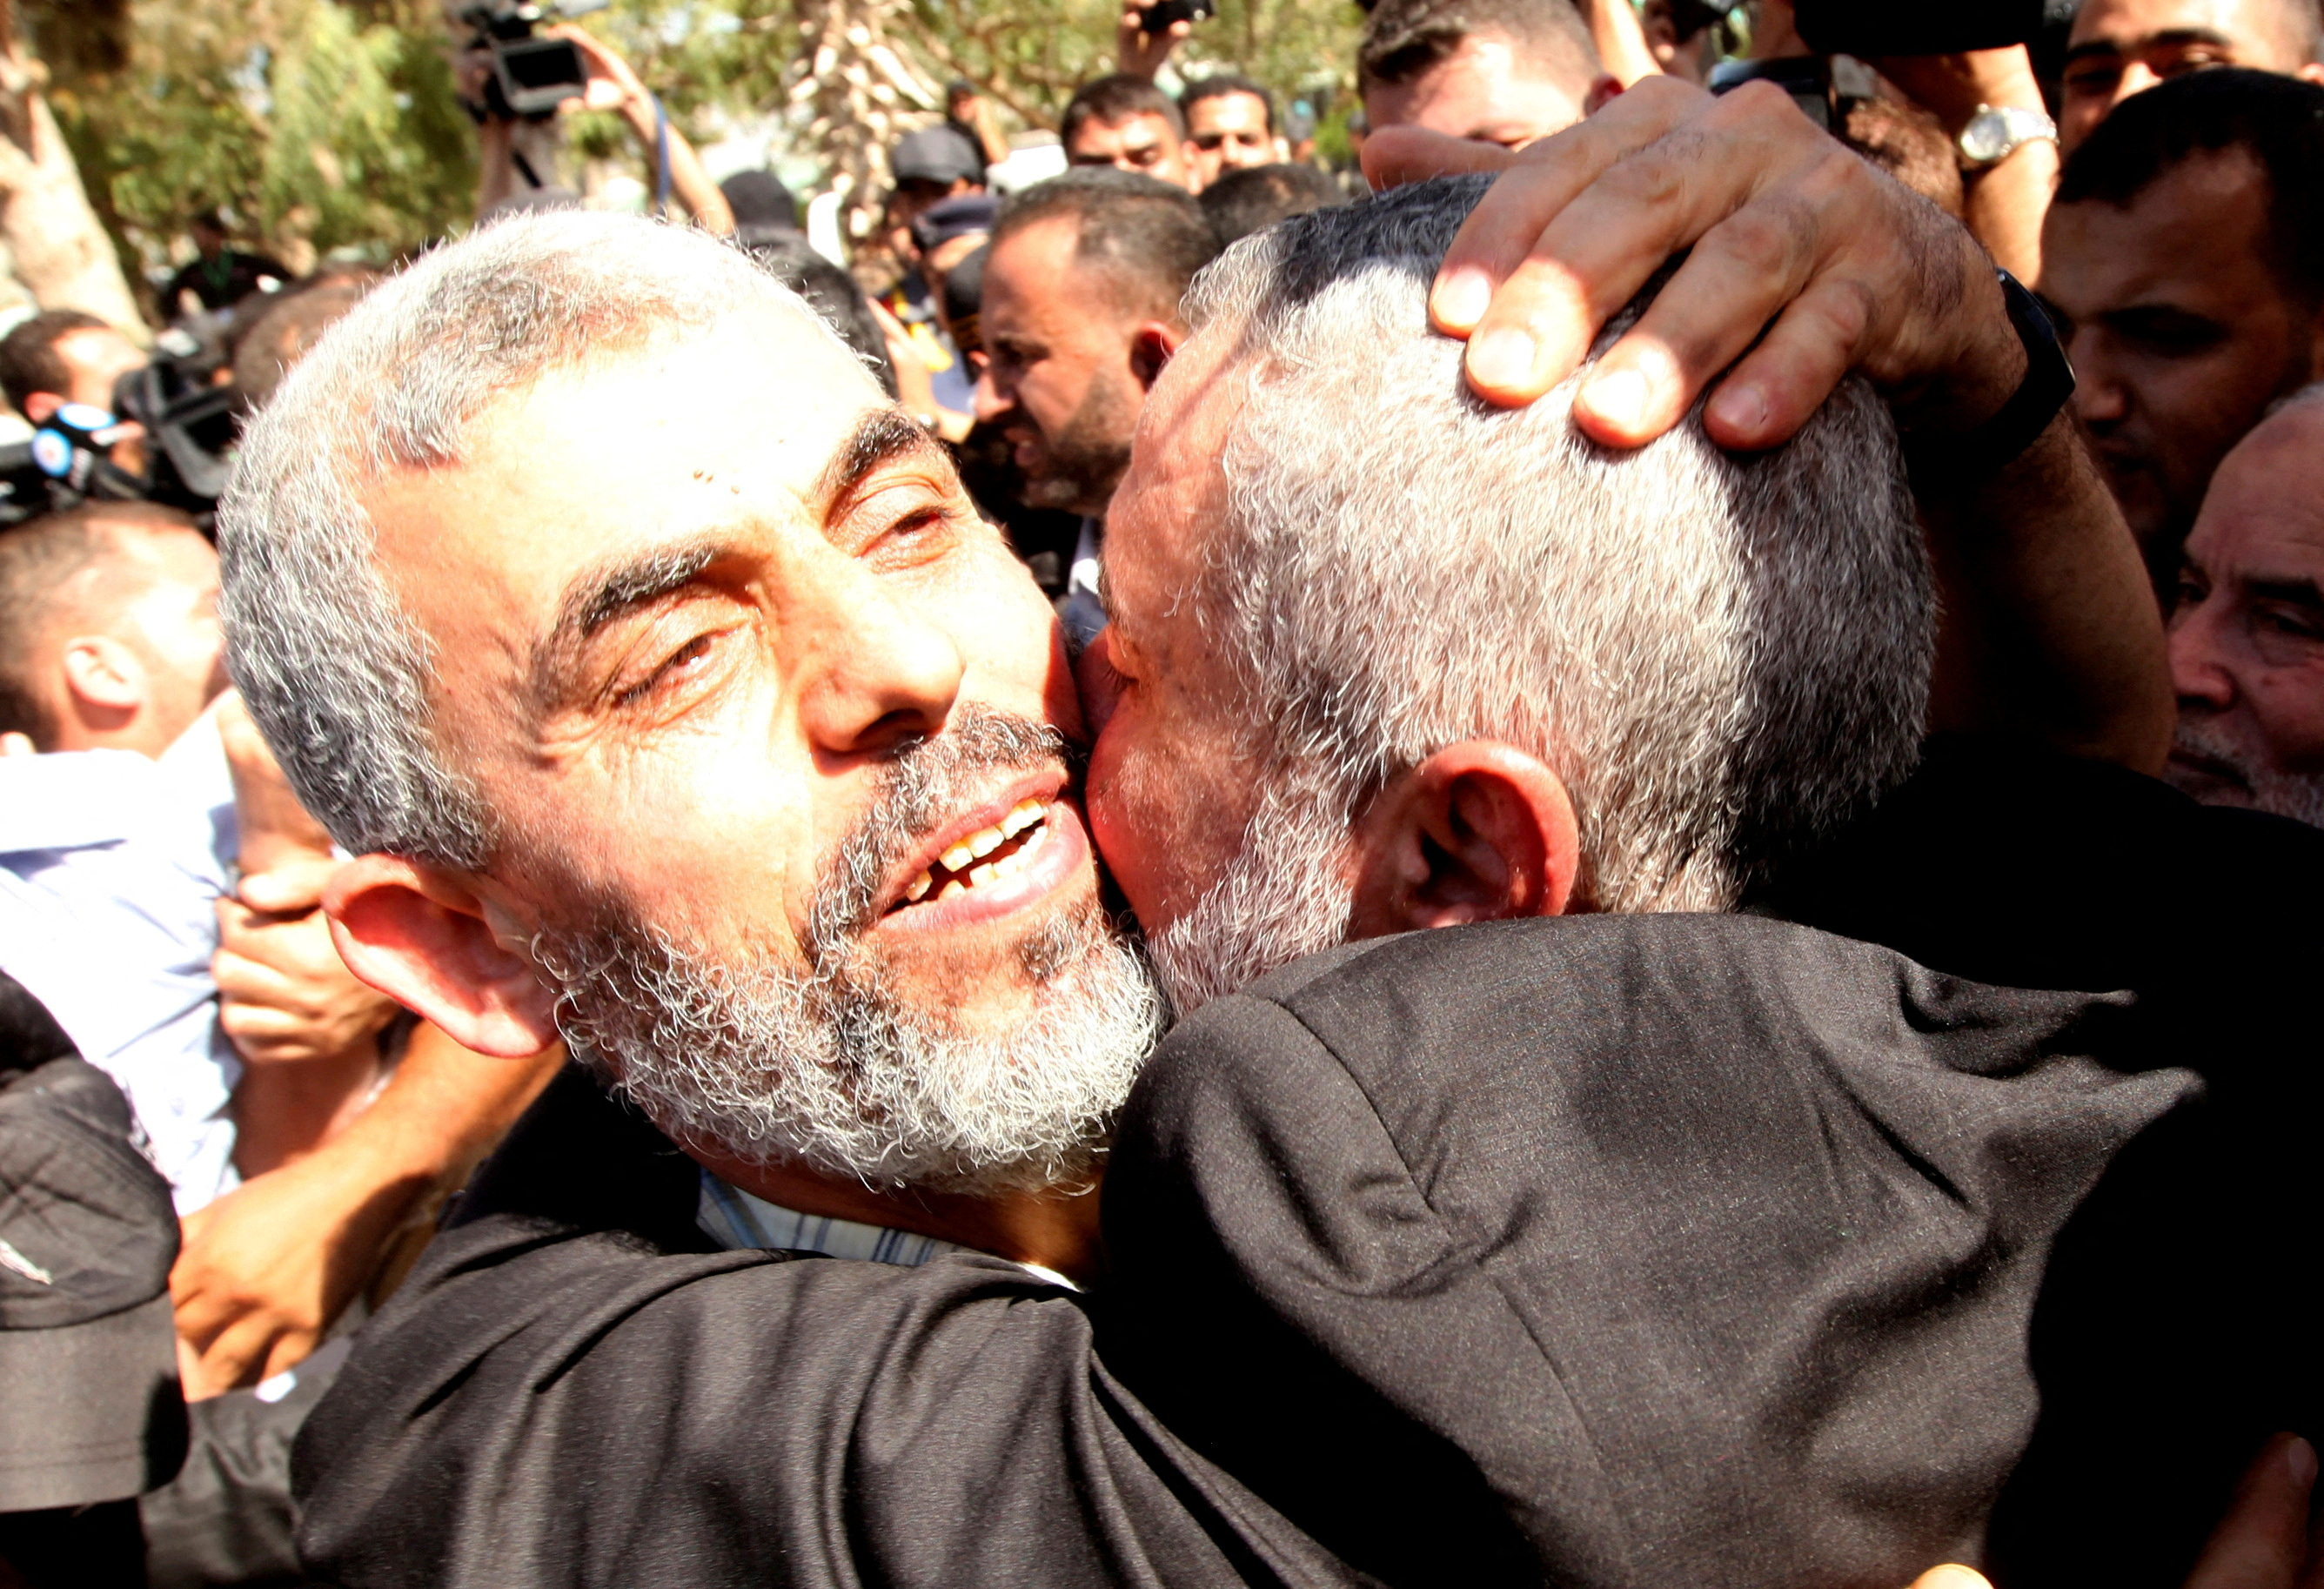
x: 2281, y: 794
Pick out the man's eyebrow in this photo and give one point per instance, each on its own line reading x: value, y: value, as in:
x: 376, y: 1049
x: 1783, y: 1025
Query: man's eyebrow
x: 882, y: 437
x: 2292, y: 588
x: 598, y: 596
x: 2168, y: 37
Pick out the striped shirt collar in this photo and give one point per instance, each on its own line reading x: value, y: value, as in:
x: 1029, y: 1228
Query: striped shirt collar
x: 734, y: 1219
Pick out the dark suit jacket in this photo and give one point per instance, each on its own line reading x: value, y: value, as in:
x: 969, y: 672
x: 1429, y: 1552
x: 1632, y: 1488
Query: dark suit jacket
x: 1618, y: 1251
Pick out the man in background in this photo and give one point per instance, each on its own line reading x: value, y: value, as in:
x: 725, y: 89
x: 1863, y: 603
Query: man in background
x: 63, y: 355
x: 1129, y: 123
x: 108, y: 628
x: 218, y: 276
x: 1229, y: 127
x: 2185, y: 253
x: 1079, y: 316
x: 2247, y: 628
x: 1500, y: 71
x: 2119, y: 48
x: 1245, y: 201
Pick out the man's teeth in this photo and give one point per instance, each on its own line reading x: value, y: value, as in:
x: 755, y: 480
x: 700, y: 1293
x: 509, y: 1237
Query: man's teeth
x: 959, y: 861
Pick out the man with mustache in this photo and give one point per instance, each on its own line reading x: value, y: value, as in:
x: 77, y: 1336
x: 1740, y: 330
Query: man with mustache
x: 768, y: 631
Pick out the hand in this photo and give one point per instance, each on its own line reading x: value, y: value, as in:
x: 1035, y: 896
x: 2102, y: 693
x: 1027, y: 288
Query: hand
x: 612, y: 85
x: 2267, y: 1542
x: 265, y: 1268
x: 914, y: 387
x: 1785, y: 225
x: 1138, y: 53
x: 284, y: 996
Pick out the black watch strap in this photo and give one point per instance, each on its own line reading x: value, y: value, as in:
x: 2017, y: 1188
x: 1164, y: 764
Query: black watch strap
x: 2047, y: 383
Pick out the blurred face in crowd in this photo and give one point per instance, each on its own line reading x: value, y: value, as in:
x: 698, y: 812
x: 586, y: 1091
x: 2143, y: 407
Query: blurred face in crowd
x: 132, y: 651
x: 2247, y: 630
x: 2124, y: 47
x: 1148, y: 145
x: 1228, y: 133
x: 2181, y: 333
x: 774, y: 723
x: 1063, y: 372
x: 1489, y: 90
x: 912, y: 199
x: 94, y: 358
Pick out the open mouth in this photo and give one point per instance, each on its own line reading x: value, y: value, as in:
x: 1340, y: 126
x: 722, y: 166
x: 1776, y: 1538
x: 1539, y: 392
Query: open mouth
x: 981, y: 859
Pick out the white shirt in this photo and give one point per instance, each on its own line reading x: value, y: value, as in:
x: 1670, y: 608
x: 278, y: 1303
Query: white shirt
x: 110, y: 864
x: 735, y: 1219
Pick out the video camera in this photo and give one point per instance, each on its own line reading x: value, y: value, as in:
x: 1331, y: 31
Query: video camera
x: 1847, y: 33
x: 530, y: 77
x: 190, y: 424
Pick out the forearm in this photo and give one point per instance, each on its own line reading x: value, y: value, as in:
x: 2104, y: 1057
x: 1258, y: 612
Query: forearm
x: 689, y: 183
x: 2051, y: 629
x: 497, y: 172
x: 2004, y: 206
x: 1621, y: 42
x: 442, y: 1109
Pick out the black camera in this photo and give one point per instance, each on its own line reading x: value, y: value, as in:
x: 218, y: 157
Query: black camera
x: 191, y: 424
x: 530, y: 77
x: 1165, y: 12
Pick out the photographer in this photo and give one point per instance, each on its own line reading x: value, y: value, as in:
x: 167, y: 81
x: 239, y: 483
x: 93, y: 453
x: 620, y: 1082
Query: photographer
x: 510, y: 171
x: 62, y: 356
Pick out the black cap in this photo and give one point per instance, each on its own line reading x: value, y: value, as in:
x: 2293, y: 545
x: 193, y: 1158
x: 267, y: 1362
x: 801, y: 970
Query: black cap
x: 761, y: 203
x: 940, y: 155
x: 87, y: 1234
x: 939, y: 223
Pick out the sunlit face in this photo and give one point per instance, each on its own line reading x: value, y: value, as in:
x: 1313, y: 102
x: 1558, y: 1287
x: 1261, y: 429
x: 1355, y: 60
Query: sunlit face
x: 1228, y: 133
x: 2180, y: 333
x: 2247, y: 629
x: 1146, y: 143
x: 688, y: 606
x: 1487, y: 90
x: 1171, y: 774
x: 1058, y: 380
x: 174, y: 626
x: 2119, y: 48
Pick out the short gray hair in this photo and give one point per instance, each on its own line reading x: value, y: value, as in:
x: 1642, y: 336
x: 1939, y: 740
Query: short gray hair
x: 1721, y: 656
x: 334, y: 673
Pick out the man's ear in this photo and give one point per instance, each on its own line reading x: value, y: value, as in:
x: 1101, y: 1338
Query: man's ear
x: 1151, y: 346
x: 1604, y: 89
x: 105, y: 679
x: 39, y: 407
x: 1481, y: 831
x: 426, y: 940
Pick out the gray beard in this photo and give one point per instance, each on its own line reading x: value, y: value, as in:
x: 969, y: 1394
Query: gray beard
x: 1284, y: 896
x: 2281, y: 794
x: 827, y: 1066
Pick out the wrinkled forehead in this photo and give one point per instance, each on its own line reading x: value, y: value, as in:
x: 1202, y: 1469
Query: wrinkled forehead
x: 2266, y: 502
x: 723, y: 428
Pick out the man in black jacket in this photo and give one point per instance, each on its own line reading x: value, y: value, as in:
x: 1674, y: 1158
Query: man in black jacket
x: 774, y: 633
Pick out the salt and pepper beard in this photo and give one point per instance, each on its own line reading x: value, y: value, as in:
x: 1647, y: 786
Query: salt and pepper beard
x: 2280, y: 794
x: 828, y: 1064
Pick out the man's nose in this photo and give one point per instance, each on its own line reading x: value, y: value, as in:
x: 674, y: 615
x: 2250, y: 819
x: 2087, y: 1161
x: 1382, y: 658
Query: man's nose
x: 2100, y: 401
x: 2200, y: 675
x: 2137, y: 77
x: 879, y: 672
x: 988, y: 401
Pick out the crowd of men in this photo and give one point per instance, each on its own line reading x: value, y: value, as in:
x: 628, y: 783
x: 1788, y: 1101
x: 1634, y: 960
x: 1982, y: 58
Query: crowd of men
x: 1578, y: 864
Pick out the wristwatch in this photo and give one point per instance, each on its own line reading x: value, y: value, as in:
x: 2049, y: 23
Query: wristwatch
x: 1997, y: 132
x: 2042, y: 391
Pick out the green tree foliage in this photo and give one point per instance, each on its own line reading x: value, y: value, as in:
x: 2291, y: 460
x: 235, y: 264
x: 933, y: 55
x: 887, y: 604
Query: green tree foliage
x: 322, y: 125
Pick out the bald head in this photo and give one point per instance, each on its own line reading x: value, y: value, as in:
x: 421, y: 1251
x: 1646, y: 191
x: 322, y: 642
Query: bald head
x: 109, y: 634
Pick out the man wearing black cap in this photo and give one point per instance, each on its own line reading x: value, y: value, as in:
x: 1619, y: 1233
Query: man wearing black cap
x: 92, y: 1416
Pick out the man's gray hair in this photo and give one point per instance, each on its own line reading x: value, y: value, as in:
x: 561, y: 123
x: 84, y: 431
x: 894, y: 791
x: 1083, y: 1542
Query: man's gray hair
x: 334, y: 673
x: 1721, y: 656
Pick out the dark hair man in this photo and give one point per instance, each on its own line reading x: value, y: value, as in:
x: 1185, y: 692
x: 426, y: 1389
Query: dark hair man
x: 1130, y: 125
x: 2185, y: 249
x: 930, y: 166
x: 1499, y: 71
x: 1080, y: 314
x: 1256, y: 197
x: 108, y: 628
x: 218, y: 276
x: 2247, y: 625
x: 1229, y: 127
x: 63, y: 355
x: 2119, y: 48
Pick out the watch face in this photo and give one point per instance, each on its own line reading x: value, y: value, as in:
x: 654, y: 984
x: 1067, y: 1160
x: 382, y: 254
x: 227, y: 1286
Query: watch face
x: 1987, y: 138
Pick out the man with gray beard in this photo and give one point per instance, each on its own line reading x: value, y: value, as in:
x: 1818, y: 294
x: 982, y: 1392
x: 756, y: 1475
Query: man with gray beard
x: 2247, y: 627
x: 736, y: 746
